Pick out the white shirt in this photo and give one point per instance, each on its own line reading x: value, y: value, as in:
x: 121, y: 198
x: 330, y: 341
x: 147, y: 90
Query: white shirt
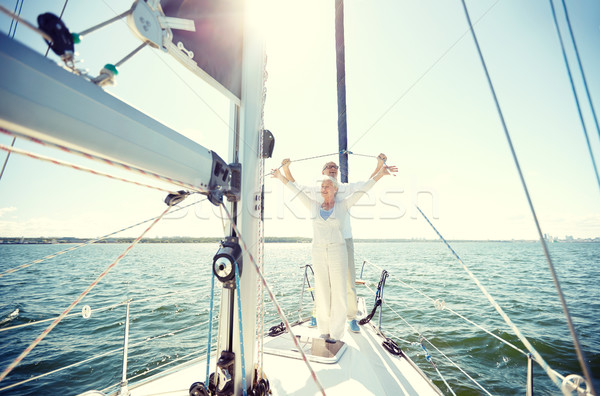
x: 330, y: 231
x: 344, y: 191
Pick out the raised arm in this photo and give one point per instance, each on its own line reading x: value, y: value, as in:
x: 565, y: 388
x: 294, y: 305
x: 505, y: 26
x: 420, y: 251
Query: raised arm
x: 381, y: 158
x: 383, y: 171
x: 299, y: 193
x: 286, y: 169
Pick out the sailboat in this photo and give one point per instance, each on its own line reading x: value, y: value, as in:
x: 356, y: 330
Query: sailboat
x: 75, y: 114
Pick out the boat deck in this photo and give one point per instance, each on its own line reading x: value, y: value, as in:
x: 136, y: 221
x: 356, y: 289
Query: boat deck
x: 364, y: 368
x: 358, y: 366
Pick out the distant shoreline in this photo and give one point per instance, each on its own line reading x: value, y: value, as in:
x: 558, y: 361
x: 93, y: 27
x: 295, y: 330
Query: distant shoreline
x: 71, y: 240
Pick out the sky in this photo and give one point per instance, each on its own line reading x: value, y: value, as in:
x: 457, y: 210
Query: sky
x: 416, y: 91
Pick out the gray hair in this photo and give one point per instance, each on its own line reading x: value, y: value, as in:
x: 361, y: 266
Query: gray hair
x: 334, y: 181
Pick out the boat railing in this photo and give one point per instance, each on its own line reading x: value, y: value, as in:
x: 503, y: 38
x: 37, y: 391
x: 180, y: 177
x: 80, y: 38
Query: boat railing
x: 305, y: 282
x: 127, y: 346
x: 570, y: 382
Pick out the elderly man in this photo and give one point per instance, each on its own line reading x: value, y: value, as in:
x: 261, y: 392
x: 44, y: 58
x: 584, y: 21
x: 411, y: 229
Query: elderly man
x: 345, y: 189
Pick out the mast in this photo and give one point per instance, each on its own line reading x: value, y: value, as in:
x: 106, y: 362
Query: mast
x: 340, y: 55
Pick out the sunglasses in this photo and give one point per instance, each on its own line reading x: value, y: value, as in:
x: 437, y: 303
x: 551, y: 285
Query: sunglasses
x: 330, y: 167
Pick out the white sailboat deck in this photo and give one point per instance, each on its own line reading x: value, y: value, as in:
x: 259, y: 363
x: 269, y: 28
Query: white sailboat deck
x: 363, y: 368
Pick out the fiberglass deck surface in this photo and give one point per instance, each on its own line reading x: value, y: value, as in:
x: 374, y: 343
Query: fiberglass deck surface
x: 362, y: 367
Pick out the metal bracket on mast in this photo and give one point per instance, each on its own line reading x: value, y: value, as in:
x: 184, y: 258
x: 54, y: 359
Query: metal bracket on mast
x: 225, y: 179
x: 150, y: 24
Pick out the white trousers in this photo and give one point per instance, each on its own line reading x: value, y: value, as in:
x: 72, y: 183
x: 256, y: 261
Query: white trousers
x: 330, y: 263
x: 351, y: 281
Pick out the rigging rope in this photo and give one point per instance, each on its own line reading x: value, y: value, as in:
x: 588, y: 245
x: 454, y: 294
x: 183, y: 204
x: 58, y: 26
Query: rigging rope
x: 575, y: 96
x: 102, y: 160
x: 91, y: 241
x: 77, y: 300
x: 580, y: 353
x: 11, y: 34
x: 239, y: 301
x: 276, y: 303
x: 327, y: 155
x: 79, y: 168
x: 210, y: 324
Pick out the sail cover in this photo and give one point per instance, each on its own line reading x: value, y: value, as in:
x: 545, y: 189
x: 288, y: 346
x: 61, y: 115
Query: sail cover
x: 216, y: 44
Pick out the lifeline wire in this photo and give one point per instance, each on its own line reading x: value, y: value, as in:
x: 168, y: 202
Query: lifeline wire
x: 77, y: 167
x: 577, y: 104
x: 77, y: 300
x: 578, y: 349
x: 508, y: 321
x: 102, y: 160
x: 91, y: 241
x: 276, y: 303
x: 454, y: 312
x: 430, y: 360
x: 101, y: 309
x: 390, y: 306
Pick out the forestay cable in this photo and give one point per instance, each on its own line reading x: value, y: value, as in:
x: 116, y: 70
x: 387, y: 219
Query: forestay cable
x: 578, y: 349
x: 77, y: 300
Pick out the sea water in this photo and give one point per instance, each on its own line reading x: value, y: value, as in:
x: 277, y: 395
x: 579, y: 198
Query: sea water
x: 169, y: 289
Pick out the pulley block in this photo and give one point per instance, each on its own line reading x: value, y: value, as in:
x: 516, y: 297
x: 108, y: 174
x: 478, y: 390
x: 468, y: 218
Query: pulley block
x: 62, y: 41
